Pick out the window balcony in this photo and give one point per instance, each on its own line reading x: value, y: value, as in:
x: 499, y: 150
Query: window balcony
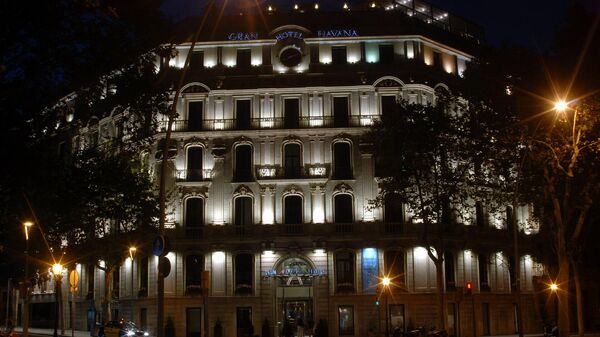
x: 273, y: 172
x: 194, y: 175
x: 305, y: 122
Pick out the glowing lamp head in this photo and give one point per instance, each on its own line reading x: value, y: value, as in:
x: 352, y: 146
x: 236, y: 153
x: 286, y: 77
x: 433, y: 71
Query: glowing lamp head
x: 553, y: 287
x: 27, y: 225
x: 57, y: 268
x: 561, y: 106
x: 386, y: 281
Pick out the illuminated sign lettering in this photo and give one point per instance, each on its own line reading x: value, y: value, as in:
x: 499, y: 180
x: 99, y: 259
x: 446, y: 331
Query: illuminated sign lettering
x: 337, y: 33
x: 240, y: 36
x: 288, y: 272
x: 289, y: 34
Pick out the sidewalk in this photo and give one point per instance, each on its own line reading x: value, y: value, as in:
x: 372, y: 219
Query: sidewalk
x: 50, y: 332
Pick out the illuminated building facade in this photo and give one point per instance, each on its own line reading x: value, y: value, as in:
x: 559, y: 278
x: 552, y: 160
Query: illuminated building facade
x: 270, y: 184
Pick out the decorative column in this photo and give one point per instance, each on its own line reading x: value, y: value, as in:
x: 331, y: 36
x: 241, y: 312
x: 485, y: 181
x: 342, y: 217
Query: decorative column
x: 267, y: 198
x: 217, y: 199
x: 317, y: 193
x: 367, y: 177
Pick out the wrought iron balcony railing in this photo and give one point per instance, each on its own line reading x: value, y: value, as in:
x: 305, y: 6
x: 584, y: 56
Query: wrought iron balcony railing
x: 194, y: 175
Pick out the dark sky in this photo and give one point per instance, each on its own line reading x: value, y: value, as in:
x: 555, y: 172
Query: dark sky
x: 526, y: 22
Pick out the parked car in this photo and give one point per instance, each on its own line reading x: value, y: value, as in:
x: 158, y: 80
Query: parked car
x: 121, y: 329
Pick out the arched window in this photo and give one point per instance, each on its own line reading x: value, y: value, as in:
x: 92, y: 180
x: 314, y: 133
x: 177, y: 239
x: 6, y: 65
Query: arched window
x: 394, y: 268
x: 243, y: 163
x: 393, y: 208
x: 292, y: 162
x: 342, y: 167
x: 292, y: 210
x: 344, y: 272
x: 194, y: 164
x: 194, y: 216
x: 244, y: 268
x: 194, y: 265
x: 243, y: 211
x: 343, y: 208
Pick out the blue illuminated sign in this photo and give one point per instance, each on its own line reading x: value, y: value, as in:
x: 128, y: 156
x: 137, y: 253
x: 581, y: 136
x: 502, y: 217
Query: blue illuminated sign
x: 337, y: 33
x: 289, y: 34
x: 370, y: 270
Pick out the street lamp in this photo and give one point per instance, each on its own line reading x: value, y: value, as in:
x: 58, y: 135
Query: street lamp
x: 57, y: 270
x: 26, y: 226
x: 553, y: 287
x: 560, y: 105
x: 386, y: 287
x: 132, y: 251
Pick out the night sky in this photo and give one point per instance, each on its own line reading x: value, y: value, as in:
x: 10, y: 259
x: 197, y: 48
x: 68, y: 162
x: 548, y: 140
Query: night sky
x: 529, y: 23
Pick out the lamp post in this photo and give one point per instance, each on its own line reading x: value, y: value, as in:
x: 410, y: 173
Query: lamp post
x: 57, y: 269
x: 26, y: 226
x: 386, y: 288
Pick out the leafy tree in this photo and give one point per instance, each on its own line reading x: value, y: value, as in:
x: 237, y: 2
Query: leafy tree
x: 442, y: 163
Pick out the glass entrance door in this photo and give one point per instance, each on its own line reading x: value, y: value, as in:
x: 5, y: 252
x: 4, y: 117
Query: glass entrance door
x: 298, y: 316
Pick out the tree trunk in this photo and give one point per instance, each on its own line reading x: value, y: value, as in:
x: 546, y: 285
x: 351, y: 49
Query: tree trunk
x: 579, y: 298
x: 563, y: 292
x: 441, y: 301
x: 106, y: 312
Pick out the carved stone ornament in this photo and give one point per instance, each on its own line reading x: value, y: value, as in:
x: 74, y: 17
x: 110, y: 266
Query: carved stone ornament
x: 342, y: 188
x: 243, y: 190
x: 293, y: 189
x: 267, y: 190
x: 317, y: 188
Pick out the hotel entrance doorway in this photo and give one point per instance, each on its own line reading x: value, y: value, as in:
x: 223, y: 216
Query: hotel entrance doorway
x: 299, y: 316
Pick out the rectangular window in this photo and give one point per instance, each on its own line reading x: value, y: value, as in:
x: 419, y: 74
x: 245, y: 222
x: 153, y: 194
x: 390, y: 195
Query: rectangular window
x: 293, y: 210
x: 449, y: 271
x: 244, y: 268
x: 346, y: 319
x: 193, y: 322
x: 344, y: 271
x: 386, y: 53
x: 485, y: 318
x: 244, y: 322
x: 397, y: 318
x: 243, y: 58
x: 194, y: 212
x: 197, y: 59
x: 291, y: 113
x: 194, y: 164
x: 195, y: 115
x: 144, y: 319
x: 292, y: 161
x: 243, y: 211
x: 90, y: 280
x: 437, y: 60
x: 338, y: 55
x: 370, y: 270
x: 243, y: 114
x: 243, y: 163
x: 388, y: 105
x: 194, y: 265
x: 340, y: 111
x: 342, y: 208
x: 342, y: 169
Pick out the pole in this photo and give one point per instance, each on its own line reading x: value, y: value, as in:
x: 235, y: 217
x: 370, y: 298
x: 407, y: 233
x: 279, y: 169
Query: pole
x: 26, y: 300
x: 72, y: 314
x: 8, y: 297
x: 387, y: 315
x: 517, y: 267
x: 56, y: 306
x: 162, y: 193
x: 473, y: 313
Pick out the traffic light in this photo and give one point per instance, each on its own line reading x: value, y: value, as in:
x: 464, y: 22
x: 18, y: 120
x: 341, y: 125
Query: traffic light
x: 377, y: 296
x: 469, y: 288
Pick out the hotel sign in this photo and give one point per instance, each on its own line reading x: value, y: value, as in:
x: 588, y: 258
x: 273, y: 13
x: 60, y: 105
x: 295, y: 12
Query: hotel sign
x: 246, y: 36
x: 294, y: 272
x: 242, y: 36
x: 337, y: 33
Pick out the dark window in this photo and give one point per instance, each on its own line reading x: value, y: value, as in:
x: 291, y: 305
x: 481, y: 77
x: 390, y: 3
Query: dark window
x: 344, y: 271
x: 485, y: 318
x: 388, y: 106
x: 338, y: 55
x: 292, y: 162
x: 437, y: 60
x: 341, y: 161
x: 386, y: 53
x: 194, y: 212
x: 194, y: 163
x: 197, y: 59
x: 340, y: 111
x: 244, y: 322
x: 243, y: 163
x: 480, y: 215
x: 483, y: 273
x: 194, y: 265
x: 243, y: 113
x: 143, y: 291
x: 116, y: 283
x: 291, y: 112
x: 293, y: 210
x: 346, y: 320
x: 394, y: 267
x: 243, y: 58
x: 144, y: 318
x: 243, y: 211
x: 393, y: 208
x: 244, y: 267
x: 90, y: 280
x: 343, y: 208
x: 195, y: 115
x: 193, y: 322
x: 450, y: 271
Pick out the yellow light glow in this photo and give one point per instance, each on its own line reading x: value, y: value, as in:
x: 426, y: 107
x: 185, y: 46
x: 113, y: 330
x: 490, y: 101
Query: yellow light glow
x: 560, y: 106
x: 27, y: 225
x: 316, y: 6
x: 270, y: 8
x: 132, y: 251
x: 345, y: 6
x: 553, y: 287
x: 57, y: 268
x: 386, y: 281
x: 296, y: 6
x: 372, y: 5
